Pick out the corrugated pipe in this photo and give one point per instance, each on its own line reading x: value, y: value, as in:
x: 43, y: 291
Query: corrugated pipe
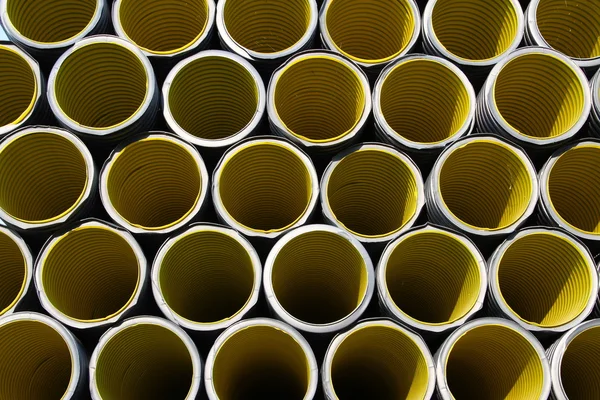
x: 575, y: 363
x: 16, y: 272
x: 319, y: 100
x: 543, y: 279
x: 48, y: 178
x: 155, y: 183
x: 595, y: 113
x: 431, y: 279
x: 40, y: 359
x: 90, y: 276
x: 378, y: 359
x: 145, y: 358
x: 492, y: 358
x: 261, y: 358
x: 206, y: 278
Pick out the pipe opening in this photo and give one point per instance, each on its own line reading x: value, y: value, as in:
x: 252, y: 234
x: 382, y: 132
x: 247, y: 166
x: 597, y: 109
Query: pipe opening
x: 261, y: 362
x: 379, y: 362
x: 144, y: 361
x: 101, y: 85
x: 319, y: 98
x: 266, y: 26
x: 370, y: 31
x: 424, y: 101
x: 164, y: 26
x: 13, y: 273
x: 213, y: 97
x: 19, y: 87
x: 539, y: 95
x: 154, y: 183
x: 50, y: 21
x: 373, y: 192
x: 265, y: 187
x: 433, y: 277
x: 580, y: 367
x: 476, y: 30
x: 545, y: 279
x: 207, y: 277
x: 44, y: 177
x: 486, y: 184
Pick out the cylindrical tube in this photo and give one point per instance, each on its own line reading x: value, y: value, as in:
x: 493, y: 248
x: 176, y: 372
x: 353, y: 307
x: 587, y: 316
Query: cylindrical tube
x: 431, y: 279
x: 319, y: 100
x: 206, y: 278
x: 145, y: 358
x: 16, y: 273
x: 595, y: 113
x: 48, y: 178
x: 154, y: 184
x: 261, y: 358
x: 378, y: 359
x: 40, y: 359
x: 492, y: 358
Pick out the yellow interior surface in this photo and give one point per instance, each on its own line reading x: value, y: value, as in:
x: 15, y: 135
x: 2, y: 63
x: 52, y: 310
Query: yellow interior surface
x: 372, y: 192
x: 545, y: 279
x: 261, y: 362
x: 494, y: 362
x: 319, y: 99
x: 574, y: 188
x: 163, y: 26
x: 13, y: 272
x: 319, y: 277
x: 475, y: 30
x: 42, y: 176
x: 35, y: 362
x: 206, y: 277
x: 50, y: 21
x: 19, y: 87
x: 370, y: 31
x: 379, y: 362
x: 213, y: 97
x: 433, y: 277
x: 90, y: 274
x: 424, y: 101
x: 267, y: 26
x: 154, y: 183
x: 144, y: 361
x: 485, y: 185
x: 580, y: 368
x: 101, y: 85
x: 571, y: 27
x: 539, y: 95
x: 265, y: 187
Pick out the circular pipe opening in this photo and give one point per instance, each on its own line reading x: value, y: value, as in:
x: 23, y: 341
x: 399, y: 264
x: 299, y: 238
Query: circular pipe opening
x: 19, y: 87
x: 14, y: 273
x: 580, y: 366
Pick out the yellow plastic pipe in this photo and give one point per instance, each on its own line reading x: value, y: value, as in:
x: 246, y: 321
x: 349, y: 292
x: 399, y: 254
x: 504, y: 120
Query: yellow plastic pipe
x: 17, y: 270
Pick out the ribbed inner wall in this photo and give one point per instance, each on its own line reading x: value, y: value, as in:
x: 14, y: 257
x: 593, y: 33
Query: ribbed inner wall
x: 433, y: 277
x: 266, y: 26
x: 90, y: 273
x: 379, y: 362
x: 319, y: 277
x: 144, y: 361
x: 580, y: 368
x: 372, y: 192
x: 13, y: 272
x: 35, y: 361
x: 42, y: 175
x: 572, y: 27
x: 163, y: 25
x: 370, y: 30
x: 485, y: 185
x: 424, y: 101
x: 319, y: 98
x: 473, y: 29
x: 493, y: 362
x: 213, y: 97
x: 101, y: 85
x: 154, y: 183
x: 206, y: 277
x: 574, y: 187
x: 261, y: 362
x: 50, y: 21
x: 545, y: 279
x: 265, y: 186
x: 539, y: 95
x: 19, y: 87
